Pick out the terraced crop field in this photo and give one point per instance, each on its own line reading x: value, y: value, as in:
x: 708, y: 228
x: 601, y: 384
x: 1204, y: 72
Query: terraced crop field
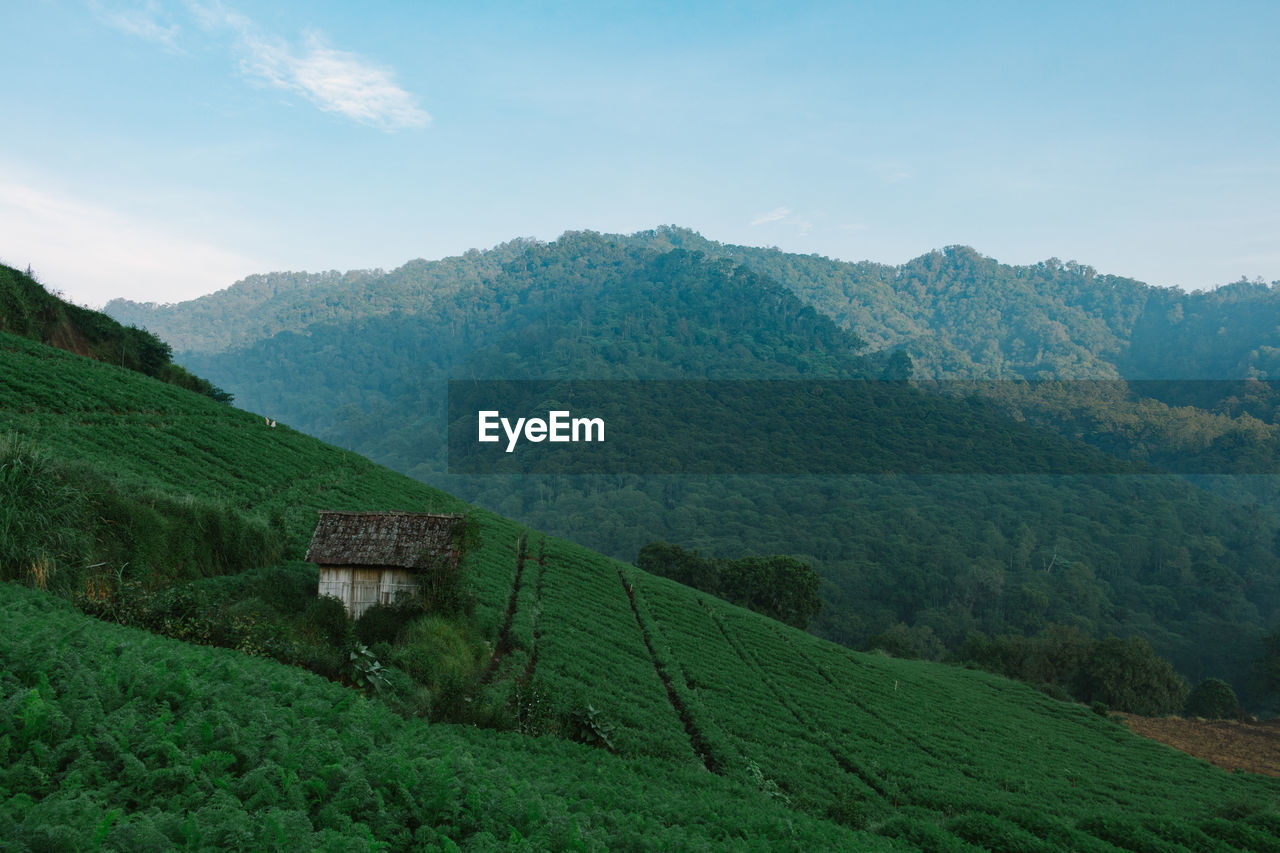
x: 717, y: 728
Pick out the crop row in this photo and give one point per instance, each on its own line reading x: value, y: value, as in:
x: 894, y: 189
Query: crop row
x: 766, y: 739
x: 705, y: 738
x: 514, y: 655
x: 924, y: 739
x: 854, y: 748
x: 582, y: 603
x: 528, y: 606
x: 1053, y: 769
x: 867, y: 738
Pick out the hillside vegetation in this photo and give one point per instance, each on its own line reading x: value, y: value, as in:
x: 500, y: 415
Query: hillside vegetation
x: 917, y: 559
x: 29, y: 310
x: 707, y: 726
x: 293, y: 301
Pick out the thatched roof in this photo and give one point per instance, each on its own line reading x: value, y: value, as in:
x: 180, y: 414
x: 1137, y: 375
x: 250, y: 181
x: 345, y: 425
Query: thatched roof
x: 407, y: 540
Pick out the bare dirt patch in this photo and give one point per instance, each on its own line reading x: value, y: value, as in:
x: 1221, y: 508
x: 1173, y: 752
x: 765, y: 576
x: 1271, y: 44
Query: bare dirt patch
x: 1251, y: 746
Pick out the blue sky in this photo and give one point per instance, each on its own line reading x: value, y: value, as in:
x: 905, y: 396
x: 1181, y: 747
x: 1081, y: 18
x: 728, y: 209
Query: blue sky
x: 161, y: 150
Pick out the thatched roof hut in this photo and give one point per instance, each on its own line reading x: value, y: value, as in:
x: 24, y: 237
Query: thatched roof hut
x: 368, y: 558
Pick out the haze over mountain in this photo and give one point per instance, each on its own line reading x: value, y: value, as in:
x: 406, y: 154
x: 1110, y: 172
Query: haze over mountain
x: 361, y: 360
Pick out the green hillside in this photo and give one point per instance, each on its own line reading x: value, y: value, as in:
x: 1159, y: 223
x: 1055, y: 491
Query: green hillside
x: 712, y: 727
x: 29, y: 310
x: 933, y: 559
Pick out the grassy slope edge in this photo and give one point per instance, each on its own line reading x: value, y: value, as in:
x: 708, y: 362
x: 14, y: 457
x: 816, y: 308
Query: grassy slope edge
x: 730, y: 730
x: 29, y: 310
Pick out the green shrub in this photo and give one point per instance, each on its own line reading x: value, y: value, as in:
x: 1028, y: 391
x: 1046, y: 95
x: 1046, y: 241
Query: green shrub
x: 325, y: 621
x: 915, y: 642
x: 402, y: 695
x: 590, y: 726
x: 780, y: 587
x: 535, y: 712
x: 362, y: 669
x: 382, y: 623
x: 287, y: 588
x: 439, y: 655
x: 444, y: 591
x: 1213, y: 699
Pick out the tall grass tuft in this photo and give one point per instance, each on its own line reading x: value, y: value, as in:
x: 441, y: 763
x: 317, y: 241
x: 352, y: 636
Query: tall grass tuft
x: 441, y: 655
x: 42, y: 518
x: 72, y: 530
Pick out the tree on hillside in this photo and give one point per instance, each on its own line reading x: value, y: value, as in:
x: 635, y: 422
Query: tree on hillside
x: 780, y: 587
x: 1266, y: 669
x: 1128, y: 676
x: 898, y: 367
x: 1213, y: 699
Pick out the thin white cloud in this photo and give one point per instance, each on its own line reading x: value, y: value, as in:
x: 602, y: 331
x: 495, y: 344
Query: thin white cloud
x: 335, y: 81
x: 93, y: 253
x: 146, y: 21
x: 776, y: 215
x: 785, y: 216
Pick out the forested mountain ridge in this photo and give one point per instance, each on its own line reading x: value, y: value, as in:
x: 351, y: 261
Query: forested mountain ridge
x: 962, y: 315
x: 931, y: 559
x: 1148, y: 373
x: 582, y: 308
x: 959, y: 314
